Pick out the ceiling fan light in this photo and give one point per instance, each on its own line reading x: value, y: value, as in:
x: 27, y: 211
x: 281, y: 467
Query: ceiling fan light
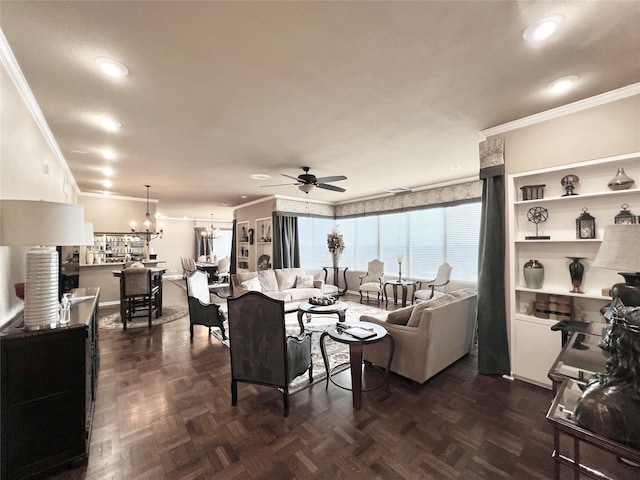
x: 306, y: 188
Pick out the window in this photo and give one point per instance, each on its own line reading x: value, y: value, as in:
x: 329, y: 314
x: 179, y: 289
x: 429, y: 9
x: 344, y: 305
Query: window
x: 425, y: 238
x: 312, y: 236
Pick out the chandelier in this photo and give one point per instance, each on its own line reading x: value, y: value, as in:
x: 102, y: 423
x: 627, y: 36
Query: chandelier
x: 148, y: 226
x: 210, y: 232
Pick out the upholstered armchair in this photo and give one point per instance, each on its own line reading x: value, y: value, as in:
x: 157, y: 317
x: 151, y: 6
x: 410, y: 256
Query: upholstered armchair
x: 223, y: 269
x: 139, y: 294
x: 428, y: 289
x: 261, y: 352
x: 371, y: 282
x: 201, y: 310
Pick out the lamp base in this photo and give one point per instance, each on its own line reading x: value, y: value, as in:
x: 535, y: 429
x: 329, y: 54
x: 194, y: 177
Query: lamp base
x: 41, y: 308
x: 629, y: 292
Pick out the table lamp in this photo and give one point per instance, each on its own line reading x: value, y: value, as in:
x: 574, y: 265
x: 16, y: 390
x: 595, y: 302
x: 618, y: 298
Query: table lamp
x: 620, y: 250
x: 43, y: 225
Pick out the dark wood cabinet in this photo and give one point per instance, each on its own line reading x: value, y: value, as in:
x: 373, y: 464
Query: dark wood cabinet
x: 48, y: 387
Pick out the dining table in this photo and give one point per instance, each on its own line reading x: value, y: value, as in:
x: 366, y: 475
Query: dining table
x: 156, y: 278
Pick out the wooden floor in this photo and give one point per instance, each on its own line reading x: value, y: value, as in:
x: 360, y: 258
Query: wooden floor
x: 164, y: 411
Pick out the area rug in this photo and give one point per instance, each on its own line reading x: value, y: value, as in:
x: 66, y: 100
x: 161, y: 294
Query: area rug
x: 338, y: 353
x: 170, y: 313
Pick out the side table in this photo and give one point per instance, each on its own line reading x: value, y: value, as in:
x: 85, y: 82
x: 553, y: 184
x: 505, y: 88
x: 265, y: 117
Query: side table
x: 395, y: 284
x: 355, y: 358
x: 336, y: 272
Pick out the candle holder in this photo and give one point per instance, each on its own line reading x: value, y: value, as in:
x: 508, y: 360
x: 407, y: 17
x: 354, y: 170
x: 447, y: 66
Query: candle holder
x: 400, y: 258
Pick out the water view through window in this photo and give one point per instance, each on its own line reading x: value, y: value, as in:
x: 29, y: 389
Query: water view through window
x: 425, y: 238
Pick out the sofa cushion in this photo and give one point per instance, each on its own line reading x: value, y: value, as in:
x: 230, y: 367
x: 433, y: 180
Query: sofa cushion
x: 252, y: 284
x: 302, y: 294
x: 284, y: 296
x: 268, y: 280
x: 304, y: 281
x: 400, y: 316
x: 243, y: 276
x: 416, y: 314
x: 286, y: 277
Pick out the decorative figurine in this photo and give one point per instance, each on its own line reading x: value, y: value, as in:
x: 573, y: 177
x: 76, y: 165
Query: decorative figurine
x: 537, y: 215
x: 610, y: 403
x: 569, y: 183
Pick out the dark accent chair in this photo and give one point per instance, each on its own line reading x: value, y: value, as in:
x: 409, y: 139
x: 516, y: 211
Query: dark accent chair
x: 261, y: 352
x: 201, y: 310
x: 139, y: 294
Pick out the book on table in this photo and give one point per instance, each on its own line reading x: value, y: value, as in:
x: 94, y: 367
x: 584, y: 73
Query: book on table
x: 359, y: 332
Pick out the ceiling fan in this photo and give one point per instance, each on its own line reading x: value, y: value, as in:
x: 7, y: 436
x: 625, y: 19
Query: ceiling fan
x: 307, y: 181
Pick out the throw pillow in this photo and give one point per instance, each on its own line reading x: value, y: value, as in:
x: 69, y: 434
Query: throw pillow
x: 304, y: 281
x: 400, y: 316
x: 253, y: 284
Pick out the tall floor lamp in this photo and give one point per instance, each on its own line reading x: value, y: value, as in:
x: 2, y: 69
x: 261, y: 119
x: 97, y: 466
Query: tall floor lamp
x: 620, y: 250
x: 43, y: 225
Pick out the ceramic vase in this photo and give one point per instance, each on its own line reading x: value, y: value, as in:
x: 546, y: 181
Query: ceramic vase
x: 336, y: 258
x: 621, y: 181
x: 576, y: 271
x: 533, y: 274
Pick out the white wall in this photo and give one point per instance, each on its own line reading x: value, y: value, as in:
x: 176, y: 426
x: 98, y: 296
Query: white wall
x: 24, y: 153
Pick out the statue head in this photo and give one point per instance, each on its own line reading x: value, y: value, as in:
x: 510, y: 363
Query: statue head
x: 621, y: 343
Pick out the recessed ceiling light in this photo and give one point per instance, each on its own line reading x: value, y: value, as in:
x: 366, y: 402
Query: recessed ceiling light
x: 259, y: 176
x: 110, y: 124
x: 542, y: 29
x: 111, y: 67
x: 107, y: 192
x: 107, y: 183
x: 243, y: 196
x: 109, y: 154
x: 108, y: 171
x: 562, y: 84
x: 455, y: 167
x: 397, y: 190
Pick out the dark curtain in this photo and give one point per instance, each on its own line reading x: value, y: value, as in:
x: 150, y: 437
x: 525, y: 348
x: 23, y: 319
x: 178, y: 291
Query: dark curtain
x: 232, y: 266
x: 204, y: 245
x: 493, y: 344
x: 286, y: 250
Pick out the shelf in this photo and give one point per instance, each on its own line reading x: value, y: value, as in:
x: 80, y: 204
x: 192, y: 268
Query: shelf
x: 565, y: 292
x: 579, y: 196
x: 562, y: 240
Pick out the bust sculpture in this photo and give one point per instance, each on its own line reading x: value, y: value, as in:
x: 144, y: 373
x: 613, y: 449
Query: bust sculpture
x: 610, y: 403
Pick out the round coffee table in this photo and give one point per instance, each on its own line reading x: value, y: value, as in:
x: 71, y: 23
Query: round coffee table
x: 340, y: 308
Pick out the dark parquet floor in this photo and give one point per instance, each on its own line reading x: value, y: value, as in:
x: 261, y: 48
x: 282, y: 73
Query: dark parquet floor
x: 164, y: 411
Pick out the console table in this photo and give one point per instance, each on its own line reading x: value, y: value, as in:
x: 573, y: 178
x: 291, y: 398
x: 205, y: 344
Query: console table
x: 336, y: 272
x: 48, y: 389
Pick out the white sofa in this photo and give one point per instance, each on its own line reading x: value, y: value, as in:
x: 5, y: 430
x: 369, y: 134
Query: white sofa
x: 292, y: 285
x: 428, y: 336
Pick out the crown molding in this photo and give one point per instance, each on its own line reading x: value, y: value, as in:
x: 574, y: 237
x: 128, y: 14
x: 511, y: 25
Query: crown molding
x: 117, y: 197
x: 585, y: 104
x: 15, y: 74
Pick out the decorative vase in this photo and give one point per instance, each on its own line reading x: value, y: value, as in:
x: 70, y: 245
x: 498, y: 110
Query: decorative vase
x: 336, y: 258
x: 621, y: 181
x: 576, y: 270
x: 88, y: 257
x: 533, y: 274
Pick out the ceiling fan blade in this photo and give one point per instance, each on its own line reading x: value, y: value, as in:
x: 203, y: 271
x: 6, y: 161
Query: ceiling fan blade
x: 289, y: 176
x: 336, y: 178
x: 326, y: 186
x: 280, y: 184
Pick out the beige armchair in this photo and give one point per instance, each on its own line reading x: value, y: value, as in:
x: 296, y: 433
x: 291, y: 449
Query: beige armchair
x: 428, y: 336
x: 371, y: 282
x: 428, y: 289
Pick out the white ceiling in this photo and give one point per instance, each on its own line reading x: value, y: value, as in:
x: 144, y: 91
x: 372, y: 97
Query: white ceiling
x: 390, y: 94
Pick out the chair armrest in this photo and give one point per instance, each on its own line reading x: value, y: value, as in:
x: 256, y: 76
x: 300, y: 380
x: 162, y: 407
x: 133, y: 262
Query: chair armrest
x: 426, y: 282
x: 317, y: 283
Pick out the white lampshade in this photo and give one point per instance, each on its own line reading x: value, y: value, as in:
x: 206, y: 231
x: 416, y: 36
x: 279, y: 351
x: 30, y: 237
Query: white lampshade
x: 46, y: 224
x: 620, y: 248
